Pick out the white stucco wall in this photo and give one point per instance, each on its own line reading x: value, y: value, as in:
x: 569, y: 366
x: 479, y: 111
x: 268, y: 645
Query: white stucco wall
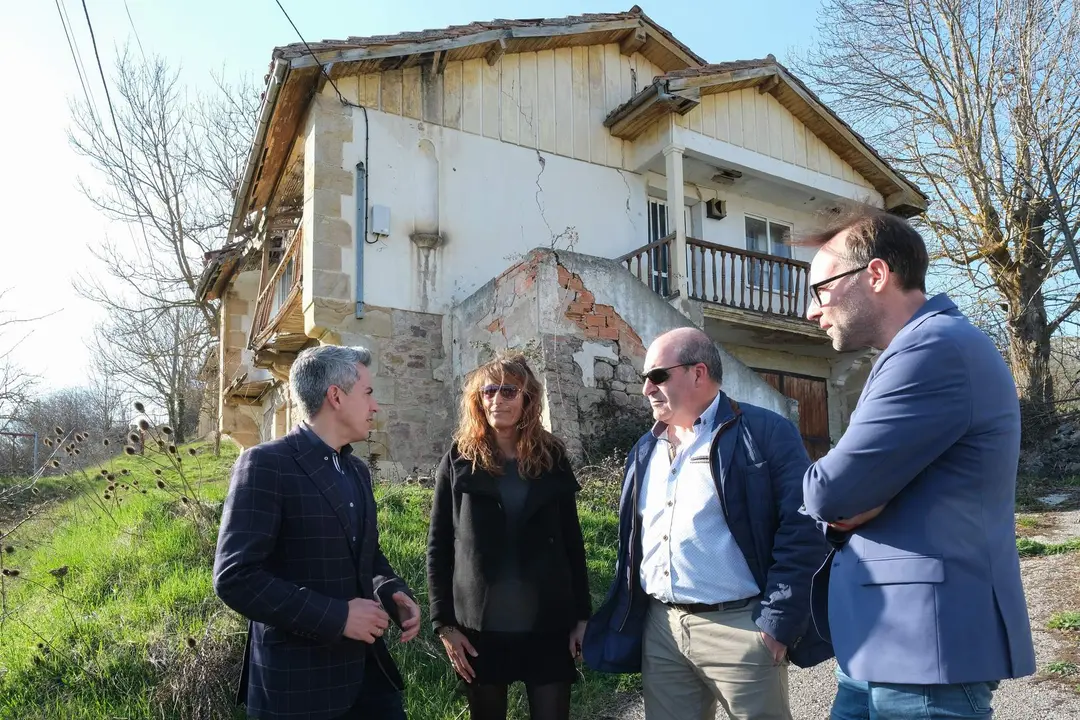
x: 496, y: 201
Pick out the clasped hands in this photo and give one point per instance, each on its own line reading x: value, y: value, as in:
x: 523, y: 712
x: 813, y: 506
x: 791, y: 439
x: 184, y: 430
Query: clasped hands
x: 367, y: 620
x: 849, y: 524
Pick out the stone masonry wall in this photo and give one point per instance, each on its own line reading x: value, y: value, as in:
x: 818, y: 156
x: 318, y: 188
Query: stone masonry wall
x: 415, y: 419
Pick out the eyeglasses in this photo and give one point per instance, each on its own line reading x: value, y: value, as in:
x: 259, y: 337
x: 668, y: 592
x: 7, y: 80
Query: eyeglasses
x: 508, y: 392
x: 659, y: 376
x: 818, y: 285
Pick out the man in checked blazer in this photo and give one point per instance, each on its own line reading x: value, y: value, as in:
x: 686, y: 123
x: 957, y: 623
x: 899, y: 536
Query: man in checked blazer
x: 298, y: 555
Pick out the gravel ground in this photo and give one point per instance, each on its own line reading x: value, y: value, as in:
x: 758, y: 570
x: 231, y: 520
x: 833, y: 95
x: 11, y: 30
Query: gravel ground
x: 1051, y: 585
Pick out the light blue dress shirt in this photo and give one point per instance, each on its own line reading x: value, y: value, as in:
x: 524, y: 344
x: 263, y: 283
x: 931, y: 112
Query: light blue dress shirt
x: 689, y: 554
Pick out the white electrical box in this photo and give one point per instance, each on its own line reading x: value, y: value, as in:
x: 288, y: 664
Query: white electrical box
x: 380, y: 220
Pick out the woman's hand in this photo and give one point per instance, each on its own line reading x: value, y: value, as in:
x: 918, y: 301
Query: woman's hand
x: 577, y: 635
x: 458, y: 649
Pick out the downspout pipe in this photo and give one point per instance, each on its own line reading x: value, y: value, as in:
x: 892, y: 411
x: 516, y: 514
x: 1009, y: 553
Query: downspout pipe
x: 361, y: 234
x: 273, y: 88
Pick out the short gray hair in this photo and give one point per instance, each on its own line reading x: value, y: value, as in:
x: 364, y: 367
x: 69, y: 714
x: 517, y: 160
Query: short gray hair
x: 317, y: 368
x: 698, y: 348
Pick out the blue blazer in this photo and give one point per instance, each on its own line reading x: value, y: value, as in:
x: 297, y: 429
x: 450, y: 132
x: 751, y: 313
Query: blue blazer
x: 928, y: 591
x: 757, y: 463
x: 286, y: 561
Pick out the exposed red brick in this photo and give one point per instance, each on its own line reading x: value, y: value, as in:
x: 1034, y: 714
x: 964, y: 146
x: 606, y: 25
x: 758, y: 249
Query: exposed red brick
x: 596, y: 321
x: 579, y: 308
x: 605, y: 310
x: 576, y: 284
x: 495, y: 326
x: 592, y: 332
x: 585, y: 297
x: 609, y: 333
x: 564, y: 276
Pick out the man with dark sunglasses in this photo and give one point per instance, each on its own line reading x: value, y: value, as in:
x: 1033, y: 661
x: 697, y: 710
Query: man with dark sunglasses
x: 922, y: 593
x: 711, y: 593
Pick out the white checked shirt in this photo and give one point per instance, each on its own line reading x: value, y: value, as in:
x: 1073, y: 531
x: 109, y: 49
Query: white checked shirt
x: 689, y: 554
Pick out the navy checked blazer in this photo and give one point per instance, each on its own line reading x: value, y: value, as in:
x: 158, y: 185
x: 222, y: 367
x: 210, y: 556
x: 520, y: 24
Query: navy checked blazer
x: 286, y: 560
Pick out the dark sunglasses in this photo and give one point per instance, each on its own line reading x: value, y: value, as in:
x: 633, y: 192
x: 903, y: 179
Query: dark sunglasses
x: 508, y: 392
x: 818, y: 285
x: 659, y: 376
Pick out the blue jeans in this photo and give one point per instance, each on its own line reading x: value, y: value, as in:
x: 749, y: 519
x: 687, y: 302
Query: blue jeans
x: 857, y: 700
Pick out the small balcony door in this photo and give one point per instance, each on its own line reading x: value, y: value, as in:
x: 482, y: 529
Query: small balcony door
x: 660, y: 226
x: 769, y: 238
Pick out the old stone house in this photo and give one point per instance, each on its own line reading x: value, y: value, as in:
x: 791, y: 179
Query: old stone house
x: 574, y: 186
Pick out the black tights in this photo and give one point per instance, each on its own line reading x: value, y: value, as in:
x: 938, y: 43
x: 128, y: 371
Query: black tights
x: 546, y: 702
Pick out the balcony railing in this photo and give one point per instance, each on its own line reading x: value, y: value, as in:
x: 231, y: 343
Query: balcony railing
x: 746, y: 279
x: 279, y: 292
x: 727, y: 276
x: 652, y: 265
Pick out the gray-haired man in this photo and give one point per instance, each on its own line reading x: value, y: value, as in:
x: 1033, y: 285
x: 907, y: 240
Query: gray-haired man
x: 298, y: 555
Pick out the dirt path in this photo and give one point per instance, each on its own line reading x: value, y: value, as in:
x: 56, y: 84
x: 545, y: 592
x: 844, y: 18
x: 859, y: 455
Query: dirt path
x: 1051, y: 584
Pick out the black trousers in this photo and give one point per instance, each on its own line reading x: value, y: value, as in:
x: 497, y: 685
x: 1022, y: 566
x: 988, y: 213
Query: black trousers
x: 378, y: 698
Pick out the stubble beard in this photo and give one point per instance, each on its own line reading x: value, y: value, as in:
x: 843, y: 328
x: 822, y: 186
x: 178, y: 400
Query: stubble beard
x: 861, y: 321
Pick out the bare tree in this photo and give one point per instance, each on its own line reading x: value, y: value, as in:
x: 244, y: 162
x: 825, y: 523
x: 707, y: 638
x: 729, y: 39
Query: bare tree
x: 979, y: 102
x: 170, y: 175
x: 158, y: 354
x: 16, y: 383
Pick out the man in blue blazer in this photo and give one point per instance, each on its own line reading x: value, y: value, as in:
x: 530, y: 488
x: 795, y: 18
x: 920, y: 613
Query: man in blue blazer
x: 922, y: 596
x: 710, y: 599
x: 298, y: 555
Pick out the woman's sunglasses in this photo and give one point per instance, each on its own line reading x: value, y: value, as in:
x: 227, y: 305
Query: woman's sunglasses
x: 508, y: 392
x: 659, y: 376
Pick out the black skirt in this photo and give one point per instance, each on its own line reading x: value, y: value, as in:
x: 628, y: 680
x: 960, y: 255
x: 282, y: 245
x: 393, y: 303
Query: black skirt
x: 537, y: 658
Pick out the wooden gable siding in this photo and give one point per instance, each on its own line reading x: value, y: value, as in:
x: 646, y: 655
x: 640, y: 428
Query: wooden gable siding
x: 758, y: 122
x: 551, y: 100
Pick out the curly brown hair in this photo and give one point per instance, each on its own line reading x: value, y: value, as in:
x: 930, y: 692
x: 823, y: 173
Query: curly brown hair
x: 537, y: 450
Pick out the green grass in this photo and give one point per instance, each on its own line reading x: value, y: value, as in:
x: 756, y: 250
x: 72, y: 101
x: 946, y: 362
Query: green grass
x: 1030, y: 548
x: 133, y: 629
x: 135, y: 585
x: 1063, y: 669
x: 1067, y: 620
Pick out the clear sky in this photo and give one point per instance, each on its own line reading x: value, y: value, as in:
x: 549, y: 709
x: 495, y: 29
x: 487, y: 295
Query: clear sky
x: 49, y: 225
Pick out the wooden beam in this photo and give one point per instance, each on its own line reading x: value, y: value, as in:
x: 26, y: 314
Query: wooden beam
x: 768, y: 85
x: 720, y: 78
x: 438, y: 62
x: 633, y: 42
x: 397, y: 49
x: 688, y: 60
x: 495, y: 53
x: 541, y: 31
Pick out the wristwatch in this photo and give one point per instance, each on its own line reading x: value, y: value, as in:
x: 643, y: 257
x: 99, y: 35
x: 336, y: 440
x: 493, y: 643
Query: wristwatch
x: 445, y: 630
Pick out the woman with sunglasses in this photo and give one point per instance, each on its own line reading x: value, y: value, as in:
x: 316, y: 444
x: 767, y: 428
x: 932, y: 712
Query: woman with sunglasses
x: 507, y: 582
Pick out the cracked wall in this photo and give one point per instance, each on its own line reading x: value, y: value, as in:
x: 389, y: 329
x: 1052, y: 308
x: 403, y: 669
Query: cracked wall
x: 590, y: 323
x: 495, y: 202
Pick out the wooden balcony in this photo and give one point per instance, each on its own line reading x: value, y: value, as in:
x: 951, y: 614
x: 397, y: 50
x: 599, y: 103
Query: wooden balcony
x: 278, y: 323
x: 727, y: 276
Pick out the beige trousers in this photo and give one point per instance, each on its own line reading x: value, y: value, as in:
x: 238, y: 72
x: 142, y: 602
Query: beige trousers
x: 692, y: 662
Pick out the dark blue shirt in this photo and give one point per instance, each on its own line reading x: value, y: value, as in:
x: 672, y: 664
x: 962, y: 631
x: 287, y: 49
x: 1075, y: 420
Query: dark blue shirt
x: 349, y: 485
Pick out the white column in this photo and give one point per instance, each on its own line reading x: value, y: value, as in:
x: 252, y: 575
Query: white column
x: 673, y: 164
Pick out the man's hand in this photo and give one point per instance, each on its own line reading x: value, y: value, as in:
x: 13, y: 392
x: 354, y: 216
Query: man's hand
x: 366, y: 620
x: 860, y: 519
x: 777, y: 649
x: 408, y: 616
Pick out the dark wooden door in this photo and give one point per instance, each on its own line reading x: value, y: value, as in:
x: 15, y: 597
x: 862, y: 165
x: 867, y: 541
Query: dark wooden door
x: 812, y: 395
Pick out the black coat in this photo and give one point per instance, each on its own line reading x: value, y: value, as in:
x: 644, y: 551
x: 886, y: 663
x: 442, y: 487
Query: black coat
x: 285, y: 561
x: 468, y: 534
